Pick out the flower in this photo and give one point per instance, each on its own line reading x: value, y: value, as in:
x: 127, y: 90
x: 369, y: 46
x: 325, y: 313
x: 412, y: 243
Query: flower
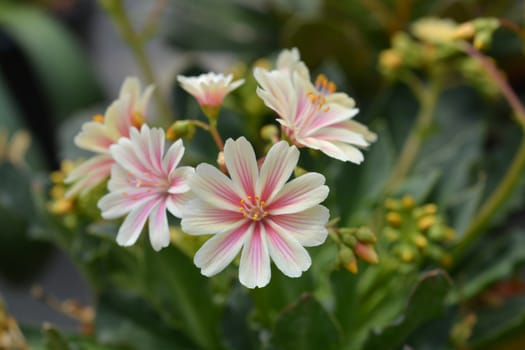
x: 257, y: 212
x: 144, y: 183
x: 310, y: 119
x: 98, y: 135
x: 209, y: 89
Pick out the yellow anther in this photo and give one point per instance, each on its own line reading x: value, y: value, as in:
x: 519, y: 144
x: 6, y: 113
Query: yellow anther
x: 249, y: 197
x: 265, y: 213
x: 137, y: 119
x: 243, y: 201
x: 394, y: 219
x: 99, y: 118
x: 241, y: 208
x: 255, y: 217
x: 257, y: 198
x: 263, y: 203
x: 327, y: 109
x: 331, y: 87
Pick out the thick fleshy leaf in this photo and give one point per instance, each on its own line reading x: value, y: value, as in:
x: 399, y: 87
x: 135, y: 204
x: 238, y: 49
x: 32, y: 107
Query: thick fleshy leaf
x: 427, y: 302
x: 305, y: 326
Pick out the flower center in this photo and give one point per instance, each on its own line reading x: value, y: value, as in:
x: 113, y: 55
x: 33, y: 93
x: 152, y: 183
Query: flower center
x: 324, y: 86
x: 253, y: 208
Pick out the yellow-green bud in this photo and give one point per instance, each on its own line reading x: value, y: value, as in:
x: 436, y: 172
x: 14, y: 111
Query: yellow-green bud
x: 394, y: 219
x: 180, y: 129
x: 391, y: 234
x: 270, y: 133
x: 346, y: 255
x: 364, y: 234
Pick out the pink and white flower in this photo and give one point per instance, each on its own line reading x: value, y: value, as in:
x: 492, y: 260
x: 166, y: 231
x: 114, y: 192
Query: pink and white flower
x: 126, y: 112
x: 309, y: 119
x: 144, y: 183
x: 209, y: 89
x: 257, y: 211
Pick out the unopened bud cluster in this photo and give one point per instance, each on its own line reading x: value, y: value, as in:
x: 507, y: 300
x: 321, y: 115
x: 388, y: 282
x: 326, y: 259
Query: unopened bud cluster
x: 416, y: 233
x: 355, y: 243
x: 433, y: 46
x: 59, y: 204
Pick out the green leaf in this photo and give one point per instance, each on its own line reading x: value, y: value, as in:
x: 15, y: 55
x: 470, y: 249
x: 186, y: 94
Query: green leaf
x: 305, y: 325
x: 500, y: 324
x: 491, y: 260
x: 127, y: 321
x: 182, y: 295
x: 427, y: 302
x: 62, y: 66
x: 53, y: 339
x: 279, y: 294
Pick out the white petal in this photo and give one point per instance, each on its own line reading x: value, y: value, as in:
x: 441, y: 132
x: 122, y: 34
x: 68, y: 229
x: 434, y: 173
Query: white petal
x: 94, y: 137
x: 287, y: 254
x: 254, y: 270
x: 133, y: 223
x: 299, y: 194
x: 213, y: 187
x: 307, y: 227
x: 179, y: 179
x: 173, y: 156
x: 220, y: 250
x: 276, y: 169
x: 241, y: 163
x: 337, y: 150
x: 176, y: 203
x: 159, y: 233
x: 200, y: 218
x: 117, y: 204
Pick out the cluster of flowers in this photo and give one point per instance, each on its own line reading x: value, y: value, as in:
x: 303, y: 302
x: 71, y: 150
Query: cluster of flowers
x: 254, y: 209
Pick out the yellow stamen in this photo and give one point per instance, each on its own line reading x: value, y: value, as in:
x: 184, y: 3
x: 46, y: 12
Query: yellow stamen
x: 99, y: 118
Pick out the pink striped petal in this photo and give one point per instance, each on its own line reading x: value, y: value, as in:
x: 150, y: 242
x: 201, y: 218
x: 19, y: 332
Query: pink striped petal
x: 89, y: 174
x: 242, y: 165
x: 214, y: 187
x: 94, y: 137
x: 299, y: 194
x: 307, y: 227
x: 254, y: 270
x: 337, y: 150
x: 221, y: 249
x: 179, y: 179
x: 276, y: 169
x: 159, y: 233
x: 340, y: 135
x: 117, y: 120
x: 133, y: 223
x: 173, y: 156
x: 127, y: 157
x: 176, y: 203
x: 200, y: 218
x: 287, y: 254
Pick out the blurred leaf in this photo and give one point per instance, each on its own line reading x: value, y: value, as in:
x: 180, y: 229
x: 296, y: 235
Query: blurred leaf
x: 128, y: 322
x: 305, y: 325
x: 500, y: 324
x: 426, y: 303
x: 62, y: 66
x: 182, y: 295
x: 54, y: 340
x: 235, y: 321
x: 492, y: 259
x: 219, y: 25
x: 418, y: 186
x: 279, y: 294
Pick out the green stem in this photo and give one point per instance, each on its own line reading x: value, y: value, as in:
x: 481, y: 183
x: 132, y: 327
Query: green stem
x: 216, y: 136
x: 512, y: 176
x: 427, y: 96
x: 135, y: 41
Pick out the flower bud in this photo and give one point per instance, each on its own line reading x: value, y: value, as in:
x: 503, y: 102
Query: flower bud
x: 408, y: 202
x: 366, y: 252
x: 364, y: 234
x: 180, y: 129
x: 346, y: 255
x: 394, y: 219
x: 270, y: 133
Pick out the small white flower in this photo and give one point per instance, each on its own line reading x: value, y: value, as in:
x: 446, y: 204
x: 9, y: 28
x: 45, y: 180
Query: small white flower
x: 256, y: 211
x: 145, y: 183
x: 126, y: 112
x: 209, y: 89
